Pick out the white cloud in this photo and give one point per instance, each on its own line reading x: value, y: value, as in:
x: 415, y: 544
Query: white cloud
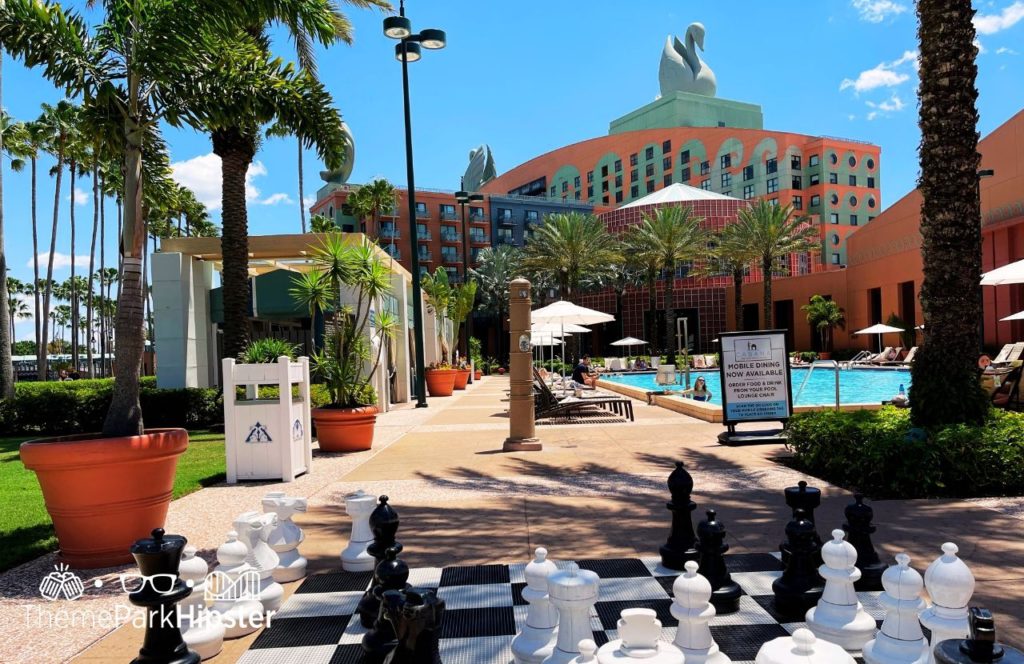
x: 884, y: 75
x: 309, y: 201
x: 1002, y: 50
x: 202, y: 175
x: 981, y: 47
x: 81, y: 197
x: 274, y: 199
x: 876, y: 11
x: 989, y: 24
x: 883, y: 108
x: 60, y: 261
x: 851, y: 117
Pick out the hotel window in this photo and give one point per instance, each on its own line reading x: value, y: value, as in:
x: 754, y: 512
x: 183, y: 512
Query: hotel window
x: 853, y: 201
x: 577, y: 196
x: 576, y: 182
x: 634, y: 175
x: 604, y: 199
x: 667, y: 180
x: 835, y: 199
x: 813, y: 160
x: 590, y: 176
x: 590, y: 191
x: 835, y: 259
x: 618, y: 197
x: 504, y: 214
x: 634, y: 191
x: 618, y: 180
x: 448, y: 212
x: 421, y: 210
x: 748, y: 172
x: 705, y: 167
x: 853, y: 220
x: 833, y: 178
x: 815, y: 200
x: 476, y: 214
x: 871, y: 182
x: 684, y: 157
x: 666, y: 163
x: 815, y: 179
x: 871, y: 203
x: 834, y: 218
x: 798, y: 182
x: 553, y: 190
x: 798, y: 202
x: 853, y: 180
x: 773, y: 185
x: 632, y: 159
x: 726, y: 180
x: 565, y: 186
x: 833, y: 158
x: 748, y: 192
x: 618, y: 165
x: 794, y: 162
x: 649, y: 154
x: 705, y: 184
x: 726, y: 161
x: 604, y: 185
x: 650, y: 170
x: 531, y: 216
x: 650, y: 186
x: 771, y: 166
x: 604, y: 171
x: 870, y: 164
x: 685, y: 174
x: 852, y: 161
x: 666, y: 147
x: 774, y: 202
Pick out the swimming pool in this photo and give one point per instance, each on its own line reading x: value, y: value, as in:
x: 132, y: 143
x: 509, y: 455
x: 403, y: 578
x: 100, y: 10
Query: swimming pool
x: 855, y: 385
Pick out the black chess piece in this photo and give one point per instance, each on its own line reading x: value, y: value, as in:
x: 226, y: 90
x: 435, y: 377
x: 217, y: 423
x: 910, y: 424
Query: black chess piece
x: 391, y: 574
x: 416, y: 617
x: 682, y: 543
x: 858, y: 533
x: 725, y: 593
x: 800, y: 586
x: 159, y: 592
x: 384, y: 525
x: 981, y: 647
x: 806, y: 498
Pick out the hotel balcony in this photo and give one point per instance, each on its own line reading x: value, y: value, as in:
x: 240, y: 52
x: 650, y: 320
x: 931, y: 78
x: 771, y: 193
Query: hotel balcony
x: 393, y: 212
x: 393, y: 252
x: 423, y: 236
x: 390, y: 234
x: 505, y: 239
x: 449, y: 216
x: 451, y: 259
x: 479, y: 238
x: 450, y: 220
x: 450, y: 237
x: 425, y: 256
x: 506, y: 222
x: 422, y: 213
x: 477, y: 219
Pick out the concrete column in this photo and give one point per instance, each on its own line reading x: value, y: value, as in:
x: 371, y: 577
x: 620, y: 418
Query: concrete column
x: 206, y: 344
x: 174, y: 320
x: 522, y: 426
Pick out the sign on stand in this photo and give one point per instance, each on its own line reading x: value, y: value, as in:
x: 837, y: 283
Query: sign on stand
x: 756, y: 385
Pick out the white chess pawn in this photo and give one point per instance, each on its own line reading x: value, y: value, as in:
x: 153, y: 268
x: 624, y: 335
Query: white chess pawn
x: 573, y: 592
x: 900, y: 641
x: 253, y: 529
x: 354, y: 558
x: 588, y: 652
x: 286, y: 537
x: 950, y: 585
x: 235, y: 589
x: 839, y: 617
x: 639, y: 640
x: 802, y: 647
x: 690, y: 606
x: 201, y: 629
x: 537, y: 639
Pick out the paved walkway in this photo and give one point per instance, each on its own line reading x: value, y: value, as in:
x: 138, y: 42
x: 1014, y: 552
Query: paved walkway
x: 595, y: 490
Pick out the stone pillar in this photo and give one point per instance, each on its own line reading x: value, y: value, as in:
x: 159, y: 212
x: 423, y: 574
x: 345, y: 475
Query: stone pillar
x: 174, y: 320
x: 522, y: 429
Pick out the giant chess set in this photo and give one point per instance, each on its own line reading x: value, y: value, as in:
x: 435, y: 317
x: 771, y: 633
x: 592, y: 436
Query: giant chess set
x: 815, y: 600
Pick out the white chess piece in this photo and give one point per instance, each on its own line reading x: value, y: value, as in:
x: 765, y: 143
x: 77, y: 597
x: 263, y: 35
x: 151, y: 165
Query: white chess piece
x: 537, y: 639
x: 285, y: 537
x: 253, y: 529
x: 802, y: 647
x: 236, y: 587
x: 201, y: 629
x: 690, y: 606
x: 839, y: 617
x: 588, y: 652
x: 573, y: 592
x: 900, y: 640
x: 950, y: 585
x: 354, y: 558
x: 639, y: 641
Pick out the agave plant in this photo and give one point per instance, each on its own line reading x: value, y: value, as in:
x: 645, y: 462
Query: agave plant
x: 267, y: 350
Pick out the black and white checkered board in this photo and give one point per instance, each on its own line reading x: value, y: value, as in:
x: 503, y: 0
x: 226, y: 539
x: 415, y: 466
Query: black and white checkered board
x: 485, y: 608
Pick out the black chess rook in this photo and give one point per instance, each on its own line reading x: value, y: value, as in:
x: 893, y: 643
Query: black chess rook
x: 415, y: 616
x: 682, y: 543
x: 808, y: 499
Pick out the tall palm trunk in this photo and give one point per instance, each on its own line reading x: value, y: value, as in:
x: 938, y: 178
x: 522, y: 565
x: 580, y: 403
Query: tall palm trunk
x: 652, y: 306
x: 236, y: 150
x: 737, y: 291
x: 73, y: 168
x: 670, y: 313
x: 92, y: 266
x: 302, y: 204
x: 6, y: 367
x: 766, y: 274
x: 36, y: 295
x: 945, y: 387
x: 103, y: 265
x: 48, y: 293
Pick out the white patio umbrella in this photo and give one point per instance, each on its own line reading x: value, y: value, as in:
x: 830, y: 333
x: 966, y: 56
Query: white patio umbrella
x: 558, y: 328
x: 879, y: 329
x: 564, y: 313
x: 1007, y: 274
x: 1017, y: 316
x: 629, y: 342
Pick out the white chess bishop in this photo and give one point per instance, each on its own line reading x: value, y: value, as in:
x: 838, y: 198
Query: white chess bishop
x: 950, y: 585
x: 537, y: 639
x: 900, y: 641
x: 285, y: 537
x: 201, y: 628
x: 573, y: 591
x: 839, y: 617
x: 253, y: 529
x: 639, y: 641
x: 802, y: 648
x: 691, y: 593
x: 354, y: 557
x: 236, y: 589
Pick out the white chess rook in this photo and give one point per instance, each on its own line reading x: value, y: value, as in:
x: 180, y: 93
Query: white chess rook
x: 537, y: 639
x: 839, y: 617
x: 285, y: 537
x: 253, y: 529
x: 354, y: 557
x: 573, y: 592
x: 691, y: 593
x: 801, y: 648
x: 900, y: 641
x: 201, y: 629
x: 639, y: 641
x: 233, y: 598
x: 950, y: 585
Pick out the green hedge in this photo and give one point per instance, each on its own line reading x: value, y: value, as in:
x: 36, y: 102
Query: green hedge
x: 880, y: 453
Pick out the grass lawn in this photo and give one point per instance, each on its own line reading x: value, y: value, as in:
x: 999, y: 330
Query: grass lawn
x: 25, y: 527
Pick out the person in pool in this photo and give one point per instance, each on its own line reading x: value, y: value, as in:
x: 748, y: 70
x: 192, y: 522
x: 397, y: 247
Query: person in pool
x: 699, y: 391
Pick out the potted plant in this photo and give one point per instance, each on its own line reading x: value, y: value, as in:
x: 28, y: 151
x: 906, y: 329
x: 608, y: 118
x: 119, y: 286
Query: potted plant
x: 441, y: 377
x: 824, y: 315
x: 476, y: 354
x: 350, y: 281
x: 460, y: 306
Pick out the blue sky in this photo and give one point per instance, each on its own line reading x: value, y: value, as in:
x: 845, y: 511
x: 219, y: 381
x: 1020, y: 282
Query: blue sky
x: 527, y: 77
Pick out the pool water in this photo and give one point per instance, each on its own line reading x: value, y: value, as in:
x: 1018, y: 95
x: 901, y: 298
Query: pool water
x: 855, y: 385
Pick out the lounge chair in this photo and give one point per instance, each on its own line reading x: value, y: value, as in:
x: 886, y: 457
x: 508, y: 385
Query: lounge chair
x: 880, y: 357
x: 655, y: 361
x: 698, y: 362
x: 862, y: 356
x: 710, y: 362
x: 548, y: 405
x: 909, y: 359
x: 613, y: 363
x: 1004, y: 352
x: 1008, y: 392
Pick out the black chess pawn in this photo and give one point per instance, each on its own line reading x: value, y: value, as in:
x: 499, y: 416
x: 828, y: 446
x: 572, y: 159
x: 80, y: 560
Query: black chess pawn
x: 391, y: 574
x: 416, y: 617
x: 384, y: 525
x: 159, y: 591
x: 725, y: 593
x: 806, y: 498
x: 800, y: 586
x: 682, y: 543
x: 858, y: 529
x: 981, y: 647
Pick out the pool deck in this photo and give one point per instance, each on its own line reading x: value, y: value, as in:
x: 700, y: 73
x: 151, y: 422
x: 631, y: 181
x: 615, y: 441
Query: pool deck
x: 595, y: 490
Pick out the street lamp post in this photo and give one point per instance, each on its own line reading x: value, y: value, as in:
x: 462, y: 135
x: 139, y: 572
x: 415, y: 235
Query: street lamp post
x: 463, y: 197
x: 408, y: 50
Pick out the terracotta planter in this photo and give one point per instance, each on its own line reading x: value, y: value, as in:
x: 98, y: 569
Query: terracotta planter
x: 441, y: 382
x: 477, y: 375
x: 824, y: 356
x: 105, y: 493
x: 461, y: 378
x: 345, y: 429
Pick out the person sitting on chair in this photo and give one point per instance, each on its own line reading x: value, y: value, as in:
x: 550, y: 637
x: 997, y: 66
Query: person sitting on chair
x: 641, y: 364
x: 582, y: 373
x: 699, y: 391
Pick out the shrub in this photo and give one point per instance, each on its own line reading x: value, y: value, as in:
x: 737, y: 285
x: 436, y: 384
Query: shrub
x: 267, y: 350
x: 882, y: 454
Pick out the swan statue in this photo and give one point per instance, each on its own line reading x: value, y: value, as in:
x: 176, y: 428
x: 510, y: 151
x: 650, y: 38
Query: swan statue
x: 480, y: 170
x: 341, y: 175
x: 682, y: 70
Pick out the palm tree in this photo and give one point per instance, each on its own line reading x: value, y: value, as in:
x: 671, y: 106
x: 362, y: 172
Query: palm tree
x: 17, y: 310
x: 773, y: 232
x: 732, y: 256
x: 824, y: 316
x: 672, y: 235
x: 372, y: 200
x: 944, y: 387
x: 12, y: 144
x: 647, y: 267
x: 78, y: 156
x: 495, y: 269
x: 574, y: 248
x: 34, y: 141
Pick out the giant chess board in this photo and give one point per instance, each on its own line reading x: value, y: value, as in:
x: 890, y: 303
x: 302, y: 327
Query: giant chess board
x: 485, y: 609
